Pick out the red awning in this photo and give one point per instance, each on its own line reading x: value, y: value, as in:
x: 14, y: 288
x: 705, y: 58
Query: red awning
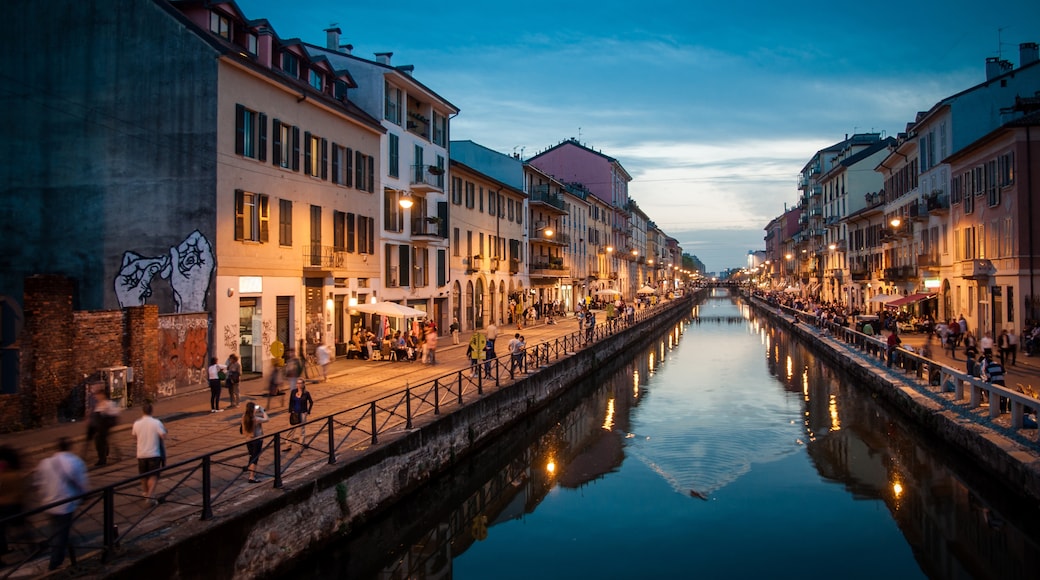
x: 908, y: 300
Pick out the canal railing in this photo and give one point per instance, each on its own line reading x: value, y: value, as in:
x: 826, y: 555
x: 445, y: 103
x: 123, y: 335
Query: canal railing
x: 110, y: 519
x: 956, y: 390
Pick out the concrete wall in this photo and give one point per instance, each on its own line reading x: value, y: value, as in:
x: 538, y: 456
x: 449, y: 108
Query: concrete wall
x: 114, y: 105
x: 260, y: 537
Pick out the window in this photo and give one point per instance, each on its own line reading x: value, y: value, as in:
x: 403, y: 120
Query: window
x: 285, y: 151
x: 342, y: 165
x: 470, y: 201
x: 456, y: 190
x: 316, y: 156
x: 316, y: 80
x: 1006, y: 165
x: 339, y: 233
x: 220, y: 25
x: 480, y: 199
x: 491, y: 203
x: 1009, y: 237
x: 420, y: 266
x: 439, y: 178
x: 393, y: 213
x: 251, y: 216
x: 250, y: 133
x: 392, y: 107
x: 440, y: 129
x: 455, y: 242
x: 393, y: 155
x: 992, y: 191
x: 285, y: 222
x: 364, y: 172
x: 251, y: 43
x: 315, y: 225
x: 291, y: 64
x: 366, y: 227
x: 509, y: 204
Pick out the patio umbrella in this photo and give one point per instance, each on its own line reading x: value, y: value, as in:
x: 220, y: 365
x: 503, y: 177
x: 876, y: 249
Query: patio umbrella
x: 884, y: 298
x: 646, y: 290
x: 607, y: 292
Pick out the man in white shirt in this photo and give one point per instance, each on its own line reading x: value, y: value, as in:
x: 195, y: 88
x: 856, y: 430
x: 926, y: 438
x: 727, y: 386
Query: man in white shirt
x: 150, y: 434
x: 59, y: 477
x: 516, y: 348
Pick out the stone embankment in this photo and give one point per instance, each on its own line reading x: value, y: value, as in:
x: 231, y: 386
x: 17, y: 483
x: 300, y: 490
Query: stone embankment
x: 956, y: 418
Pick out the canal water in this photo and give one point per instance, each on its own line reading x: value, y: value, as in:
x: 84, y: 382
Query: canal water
x: 724, y: 449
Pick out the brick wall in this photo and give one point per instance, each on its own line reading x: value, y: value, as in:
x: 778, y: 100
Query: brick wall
x: 61, y: 349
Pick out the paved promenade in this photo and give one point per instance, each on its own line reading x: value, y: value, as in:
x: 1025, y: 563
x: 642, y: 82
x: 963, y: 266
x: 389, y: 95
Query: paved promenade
x: 193, y: 430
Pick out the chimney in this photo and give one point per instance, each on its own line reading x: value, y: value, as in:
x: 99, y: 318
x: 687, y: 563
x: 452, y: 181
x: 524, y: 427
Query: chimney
x: 1027, y: 54
x: 332, y: 38
x: 384, y: 57
x: 996, y: 66
x: 407, y: 69
x: 346, y: 48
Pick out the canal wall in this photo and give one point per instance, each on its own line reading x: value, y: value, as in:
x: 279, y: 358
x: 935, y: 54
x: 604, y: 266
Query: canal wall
x: 268, y: 531
x: 1012, y: 464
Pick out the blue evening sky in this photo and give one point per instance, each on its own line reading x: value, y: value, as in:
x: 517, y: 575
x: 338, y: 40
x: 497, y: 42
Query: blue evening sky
x: 713, y: 107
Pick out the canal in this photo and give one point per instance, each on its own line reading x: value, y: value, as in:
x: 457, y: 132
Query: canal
x: 725, y: 449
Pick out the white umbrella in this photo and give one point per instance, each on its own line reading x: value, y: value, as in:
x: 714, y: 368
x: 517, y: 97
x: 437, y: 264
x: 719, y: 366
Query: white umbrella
x: 391, y: 309
x: 646, y: 290
x: 607, y: 292
x: 792, y: 290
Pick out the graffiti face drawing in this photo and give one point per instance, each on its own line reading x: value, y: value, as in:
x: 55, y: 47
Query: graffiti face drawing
x: 133, y: 285
x: 191, y: 268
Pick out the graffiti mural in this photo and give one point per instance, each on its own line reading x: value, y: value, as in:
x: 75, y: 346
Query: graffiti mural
x: 189, y: 268
x: 182, y: 352
x: 231, y: 337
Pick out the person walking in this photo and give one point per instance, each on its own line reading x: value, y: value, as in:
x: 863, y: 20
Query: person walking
x: 454, y: 329
x: 516, y: 348
x: 324, y: 356
x: 252, y: 428
x: 274, y: 385
x: 1004, y: 347
x: 489, y: 355
x: 102, y: 419
x: 993, y: 373
x: 431, y: 345
x: 300, y: 405
x: 971, y: 351
x: 216, y: 374
x: 234, y: 377
x: 986, y: 344
x: 1013, y: 346
x: 590, y: 325
x: 151, y: 453
x: 293, y: 369
x: 58, y: 478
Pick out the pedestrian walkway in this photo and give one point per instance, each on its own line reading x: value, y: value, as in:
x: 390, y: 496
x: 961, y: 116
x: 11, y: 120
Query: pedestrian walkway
x: 194, y: 431
x: 1025, y: 371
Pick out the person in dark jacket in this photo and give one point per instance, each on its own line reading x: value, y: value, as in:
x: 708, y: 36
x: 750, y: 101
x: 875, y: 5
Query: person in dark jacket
x: 301, y: 403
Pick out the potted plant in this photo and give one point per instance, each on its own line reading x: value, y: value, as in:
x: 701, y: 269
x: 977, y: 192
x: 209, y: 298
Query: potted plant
x: 433, y: 169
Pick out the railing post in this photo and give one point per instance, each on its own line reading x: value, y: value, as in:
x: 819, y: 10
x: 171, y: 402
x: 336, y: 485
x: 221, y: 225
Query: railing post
x: 332, y: 441
x: 372, y: 412
x: 408, y: 405
x: 277, y: 460
x: 437, y: 396
x: 108, y: 520
x: 480, y: 378
x: 207, y: 498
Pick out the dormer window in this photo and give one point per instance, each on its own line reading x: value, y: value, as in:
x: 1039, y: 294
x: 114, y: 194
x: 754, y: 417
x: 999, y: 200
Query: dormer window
x: 316, y: 80
x: 291, y: 64
x: 251, y: 43
x: 220, y: 25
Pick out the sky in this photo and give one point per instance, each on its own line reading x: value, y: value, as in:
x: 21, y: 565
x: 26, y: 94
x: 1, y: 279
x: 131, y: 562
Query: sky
x: 712, y: 107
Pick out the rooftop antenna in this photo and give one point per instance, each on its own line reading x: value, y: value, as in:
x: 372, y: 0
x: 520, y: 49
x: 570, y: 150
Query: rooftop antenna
x: 1000, y: 41
x: 579, y: 134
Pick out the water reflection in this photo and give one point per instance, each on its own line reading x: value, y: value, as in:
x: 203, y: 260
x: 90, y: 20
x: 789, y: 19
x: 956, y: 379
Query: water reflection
x: 957, y: 522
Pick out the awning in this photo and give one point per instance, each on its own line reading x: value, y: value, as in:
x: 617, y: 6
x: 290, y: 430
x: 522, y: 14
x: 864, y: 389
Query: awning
x: 884, y: 298
x: 911, y: 299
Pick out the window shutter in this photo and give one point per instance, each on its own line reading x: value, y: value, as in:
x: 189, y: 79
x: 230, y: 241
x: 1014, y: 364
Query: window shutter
x: 359, y: 169
x: 295, y: 149
x: 441, y: 269
x: 442, y: 215
x: 335, y: 163
x: 371, y: 234
x: 239, y: 214
x: 404, y: 252
x: 307, y: 157
x: 387, y: 264
x: 350, y: 233
x: 240, y: 130
x: 348, y: 172
x: 371, y: 174
x: 261, y: 152
x: 276, y: 149
x: 265, y: 217
x: 325, y: 159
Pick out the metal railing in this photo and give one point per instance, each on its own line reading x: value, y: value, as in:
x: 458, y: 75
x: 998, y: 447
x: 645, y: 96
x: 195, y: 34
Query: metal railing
x: 114, y: 516
x: 969, y: 392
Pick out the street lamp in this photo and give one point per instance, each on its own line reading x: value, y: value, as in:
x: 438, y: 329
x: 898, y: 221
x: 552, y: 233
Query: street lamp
x: 406, y: 200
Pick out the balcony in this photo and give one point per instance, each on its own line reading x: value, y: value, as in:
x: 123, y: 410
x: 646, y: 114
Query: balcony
x: 429, y: 228
x: 831, y: 220
x: 927, y: 261
x: 541, y: 196
x: 918, y: 211
x: 937, y: 203
x: 859, y: 274
x: 475, y: 264
x: 976, y: 269
x: 838, y: 274
x: 548, y: 270
x: 426, y: 179
x: 816, y: 191
x: 322, y: 257
x: 899, y: 273
x: 514, y: 265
